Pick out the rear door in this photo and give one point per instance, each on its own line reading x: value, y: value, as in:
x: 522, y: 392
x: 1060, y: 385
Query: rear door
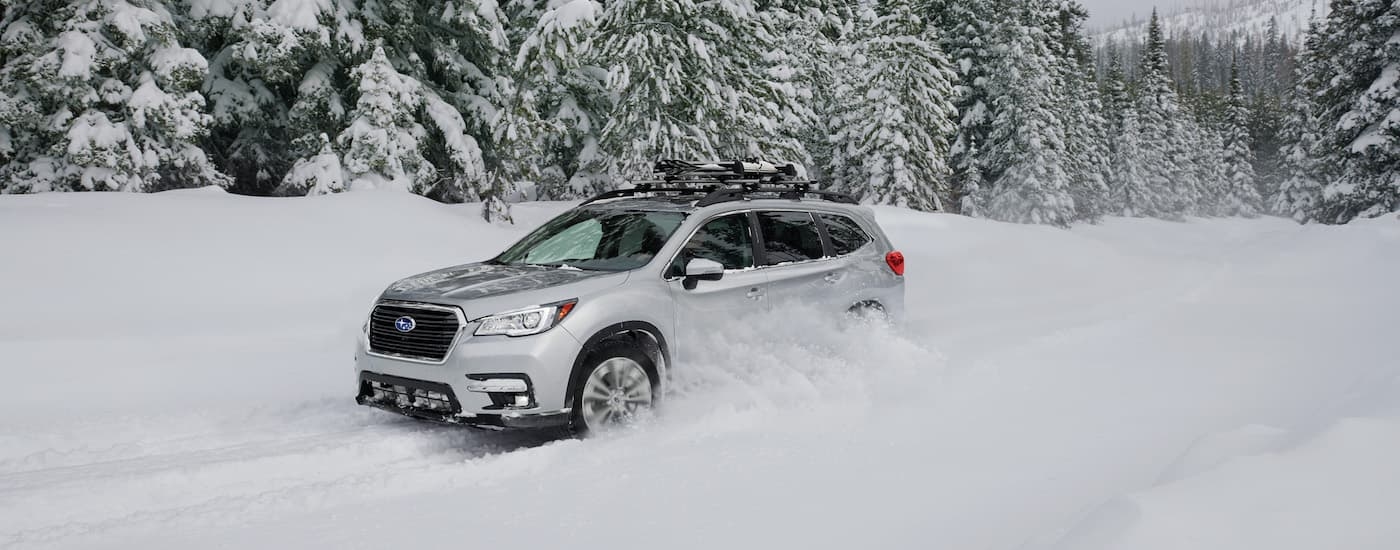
x: 742, y: 291
x: 794, y: 254
x: 857, y: 266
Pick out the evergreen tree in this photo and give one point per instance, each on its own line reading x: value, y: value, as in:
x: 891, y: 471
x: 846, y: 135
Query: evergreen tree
x: 1186, y: 192
x: 1158, y: 115
x: 1239, y: 198
x: 276, y: 83
x: 318, y: 175
x: 555, y: 103
x: 1301, y: 190
x: 968, y: 26
x: 1360, y: 106
x: 1116, y: 99
x: 101, y: 95
x: 454, y: 51
x: 1026, y: 143
x: 1128, y: 188
x: 1086, y: 140
x: 1209, y: 163
x: 893, y: 111
x: 813, y: 44
x: 1266, y: 113
x: 686, y: 79
x: 383, y: 146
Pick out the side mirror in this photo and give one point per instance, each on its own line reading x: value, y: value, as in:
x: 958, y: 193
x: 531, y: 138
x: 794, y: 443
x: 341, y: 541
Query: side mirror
x: 701, y: 269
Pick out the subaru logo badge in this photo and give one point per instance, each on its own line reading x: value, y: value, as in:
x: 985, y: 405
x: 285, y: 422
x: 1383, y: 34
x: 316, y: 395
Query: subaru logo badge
x: 404, y: 324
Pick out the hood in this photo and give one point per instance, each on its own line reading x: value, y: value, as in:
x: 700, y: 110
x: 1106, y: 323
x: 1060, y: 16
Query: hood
x: 475, y: 287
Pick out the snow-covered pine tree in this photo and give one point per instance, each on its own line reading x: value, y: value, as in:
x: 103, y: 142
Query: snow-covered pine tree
x: 689, y: 78
x: 1128, y: 188
x: 1125, y: 177
x: 1239, y: 197
x: 1209, y: 164
x: 1116, y: 99
x: 555, y: 102
x: 1360, y: 106
x: 455, y: 52
x: 1026, y: 144
x: 1158, y: 113
x: 967, y: 27
x: 318, y: 175
x: 101, y: 95
x: 276, y: 83
x: 893, y: 110
x: 383, y: 146
x: 1301, y: 190
x: 1081, y: 111
x: 812, y: 43
x: 1186, y: 193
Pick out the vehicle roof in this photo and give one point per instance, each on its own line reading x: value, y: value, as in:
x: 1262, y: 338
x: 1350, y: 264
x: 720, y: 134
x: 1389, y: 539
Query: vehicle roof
x: 687, y: 204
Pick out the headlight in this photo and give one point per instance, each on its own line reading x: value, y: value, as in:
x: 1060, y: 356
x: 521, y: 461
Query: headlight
x: 524, y: 322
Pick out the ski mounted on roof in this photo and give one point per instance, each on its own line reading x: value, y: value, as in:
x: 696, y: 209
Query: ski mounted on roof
x: 726, y: 182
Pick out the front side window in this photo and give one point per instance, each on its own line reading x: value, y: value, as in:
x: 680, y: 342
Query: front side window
x: 846, y: 235
x: 789, y: 237
x: 727, y: 240
x: 595, y: 239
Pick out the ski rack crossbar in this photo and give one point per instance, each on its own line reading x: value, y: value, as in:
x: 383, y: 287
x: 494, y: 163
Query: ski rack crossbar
x: 726, y: 182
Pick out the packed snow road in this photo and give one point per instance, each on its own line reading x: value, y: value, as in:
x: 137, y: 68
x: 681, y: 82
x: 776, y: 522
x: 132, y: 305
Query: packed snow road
x: 177, y: 374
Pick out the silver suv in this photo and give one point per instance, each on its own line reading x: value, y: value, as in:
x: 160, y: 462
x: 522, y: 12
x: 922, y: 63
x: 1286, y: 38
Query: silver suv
x: 578, y: 323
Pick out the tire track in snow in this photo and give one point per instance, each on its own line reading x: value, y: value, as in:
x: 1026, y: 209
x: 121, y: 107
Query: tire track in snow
x: 258, y: 478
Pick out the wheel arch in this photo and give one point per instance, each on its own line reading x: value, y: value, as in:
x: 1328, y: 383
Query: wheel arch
x: 641, y: 334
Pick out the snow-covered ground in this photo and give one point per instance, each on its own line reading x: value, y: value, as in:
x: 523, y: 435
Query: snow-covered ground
x: 177, y: 374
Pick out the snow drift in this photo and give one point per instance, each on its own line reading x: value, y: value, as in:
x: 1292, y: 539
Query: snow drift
x: 178, y: 372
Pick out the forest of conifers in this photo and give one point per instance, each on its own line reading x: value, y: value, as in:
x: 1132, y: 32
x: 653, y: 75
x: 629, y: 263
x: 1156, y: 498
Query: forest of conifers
x: 1002, y: 109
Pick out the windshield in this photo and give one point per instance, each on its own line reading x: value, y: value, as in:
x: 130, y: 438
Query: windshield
x: 595, y: 239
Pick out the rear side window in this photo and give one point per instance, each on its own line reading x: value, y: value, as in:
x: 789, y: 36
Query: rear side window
x: 846, y: 235
x: 789, y: 237
x: 726, y: 240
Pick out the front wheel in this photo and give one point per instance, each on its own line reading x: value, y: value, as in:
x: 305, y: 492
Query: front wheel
x: 616, y: 391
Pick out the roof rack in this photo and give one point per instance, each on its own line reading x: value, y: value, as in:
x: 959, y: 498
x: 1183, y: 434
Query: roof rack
x: 727, y: 181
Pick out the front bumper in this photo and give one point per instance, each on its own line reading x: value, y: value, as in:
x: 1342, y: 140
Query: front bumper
x: 435, y: 402
x: 470, y: 386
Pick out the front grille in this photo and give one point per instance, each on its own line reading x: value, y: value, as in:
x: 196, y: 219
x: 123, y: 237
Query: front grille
x: 431, y: 338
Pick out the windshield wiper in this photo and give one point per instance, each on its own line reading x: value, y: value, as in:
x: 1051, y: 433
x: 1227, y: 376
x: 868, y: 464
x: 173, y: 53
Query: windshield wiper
x: 567, y: 265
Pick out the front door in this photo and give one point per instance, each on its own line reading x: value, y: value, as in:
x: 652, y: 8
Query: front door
x: 705, y: 307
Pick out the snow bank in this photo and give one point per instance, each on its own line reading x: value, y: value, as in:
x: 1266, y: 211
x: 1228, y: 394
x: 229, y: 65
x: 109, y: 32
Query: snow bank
x: 179, y: 372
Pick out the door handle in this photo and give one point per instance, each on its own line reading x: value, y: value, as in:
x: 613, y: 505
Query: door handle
x: 754, y: 293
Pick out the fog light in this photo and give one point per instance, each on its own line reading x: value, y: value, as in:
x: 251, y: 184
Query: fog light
x: 522, y: 400
x: 498, y: 385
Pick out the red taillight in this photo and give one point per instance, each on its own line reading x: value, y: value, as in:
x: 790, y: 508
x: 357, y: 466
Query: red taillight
x: 896, y: 261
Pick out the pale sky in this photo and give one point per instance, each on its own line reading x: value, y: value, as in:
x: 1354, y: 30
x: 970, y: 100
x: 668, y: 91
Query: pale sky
x: 1105, y: 13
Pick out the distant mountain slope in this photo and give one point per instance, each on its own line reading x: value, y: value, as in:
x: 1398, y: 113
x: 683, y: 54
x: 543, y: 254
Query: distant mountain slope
x: 1221, y: 17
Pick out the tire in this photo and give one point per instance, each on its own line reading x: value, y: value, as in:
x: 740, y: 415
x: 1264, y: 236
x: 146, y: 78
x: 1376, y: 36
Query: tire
x: 618, y: 386
x: 868, y: 312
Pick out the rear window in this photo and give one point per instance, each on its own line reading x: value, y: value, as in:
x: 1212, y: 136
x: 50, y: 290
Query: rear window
x: 789, y: 237
x: 846, y: 235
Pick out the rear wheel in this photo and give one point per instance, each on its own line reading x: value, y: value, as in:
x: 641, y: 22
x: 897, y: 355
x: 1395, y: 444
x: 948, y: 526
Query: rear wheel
x: 617, y: 389
x: 868, y: 312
